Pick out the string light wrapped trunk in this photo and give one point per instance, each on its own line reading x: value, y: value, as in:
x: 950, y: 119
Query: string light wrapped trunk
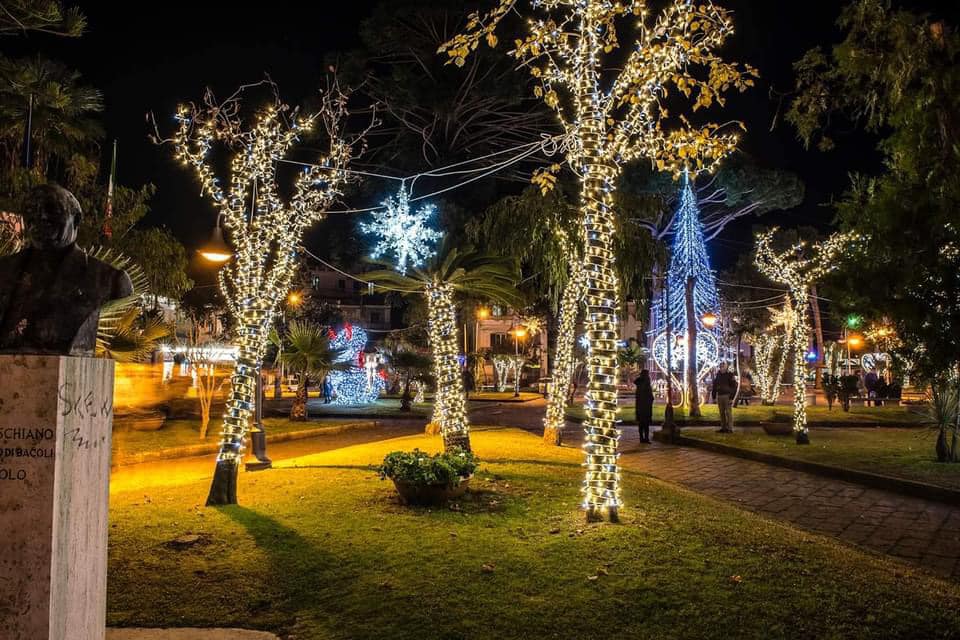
x: 264, y: 229
x: 442, y: 327
x: 563, y: 360
x: 798, y: 269
x: 611, y: 112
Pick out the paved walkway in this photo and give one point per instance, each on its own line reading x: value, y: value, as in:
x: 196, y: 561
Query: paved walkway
x: 920, y: 531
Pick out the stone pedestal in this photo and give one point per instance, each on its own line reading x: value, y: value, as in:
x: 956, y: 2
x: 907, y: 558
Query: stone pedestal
x: 55, y: 421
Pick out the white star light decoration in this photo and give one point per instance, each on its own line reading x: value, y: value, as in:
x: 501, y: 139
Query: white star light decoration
x: 402, y: 231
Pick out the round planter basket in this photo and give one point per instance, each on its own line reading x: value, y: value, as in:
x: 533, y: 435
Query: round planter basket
x: 429, y: 494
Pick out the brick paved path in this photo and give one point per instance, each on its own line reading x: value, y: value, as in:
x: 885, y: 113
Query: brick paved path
x: 925, y: 532
x: 921, y: 531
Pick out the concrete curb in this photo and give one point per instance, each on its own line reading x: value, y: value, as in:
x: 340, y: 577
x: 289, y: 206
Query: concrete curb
x: 759, y: 425
x: 911, y: 488
x: 211, y: 448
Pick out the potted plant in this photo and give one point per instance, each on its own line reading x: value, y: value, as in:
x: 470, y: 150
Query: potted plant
x: 421, y: 478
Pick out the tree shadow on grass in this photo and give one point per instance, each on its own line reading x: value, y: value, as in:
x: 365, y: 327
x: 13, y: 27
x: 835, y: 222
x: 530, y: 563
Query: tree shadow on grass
x: 302, y: 577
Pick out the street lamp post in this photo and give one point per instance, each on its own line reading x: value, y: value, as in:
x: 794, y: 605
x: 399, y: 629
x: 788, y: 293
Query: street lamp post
x: 518, y: 332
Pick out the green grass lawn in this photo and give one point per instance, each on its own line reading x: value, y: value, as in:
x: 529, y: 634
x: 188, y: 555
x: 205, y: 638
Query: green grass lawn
x: 904, y: 453
x: 128, y: 443
x: 755, y: 413
x: 323, y: 550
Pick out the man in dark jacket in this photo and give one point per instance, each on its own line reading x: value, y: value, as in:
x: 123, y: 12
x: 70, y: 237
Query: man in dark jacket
x: 724, y: 389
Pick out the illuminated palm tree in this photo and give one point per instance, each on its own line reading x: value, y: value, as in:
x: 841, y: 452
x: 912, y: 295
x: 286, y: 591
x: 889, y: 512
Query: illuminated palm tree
x: 453, y: 271
x: 307, y: 351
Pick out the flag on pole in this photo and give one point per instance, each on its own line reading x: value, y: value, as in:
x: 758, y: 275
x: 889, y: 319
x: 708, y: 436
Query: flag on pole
x: 108, y: 209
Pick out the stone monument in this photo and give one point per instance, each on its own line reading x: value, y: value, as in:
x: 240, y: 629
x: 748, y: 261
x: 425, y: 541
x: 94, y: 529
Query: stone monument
x: 56, y: 413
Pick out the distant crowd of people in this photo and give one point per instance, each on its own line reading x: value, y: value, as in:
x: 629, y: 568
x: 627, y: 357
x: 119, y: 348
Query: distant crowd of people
x: 723, y: 387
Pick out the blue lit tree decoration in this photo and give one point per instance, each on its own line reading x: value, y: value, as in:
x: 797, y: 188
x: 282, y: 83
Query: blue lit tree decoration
x: 402, y: 231
x: 357, y: 385
x: 688, y: 259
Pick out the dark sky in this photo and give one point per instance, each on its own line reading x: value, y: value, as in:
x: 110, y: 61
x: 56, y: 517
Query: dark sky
x: 150, y: 59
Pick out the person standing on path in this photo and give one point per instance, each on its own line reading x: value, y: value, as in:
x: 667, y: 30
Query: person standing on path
x: 644, y: 405
x: 724, y: 389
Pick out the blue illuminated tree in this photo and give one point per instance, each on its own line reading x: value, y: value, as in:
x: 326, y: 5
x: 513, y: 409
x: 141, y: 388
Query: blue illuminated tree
x: 688, y: 260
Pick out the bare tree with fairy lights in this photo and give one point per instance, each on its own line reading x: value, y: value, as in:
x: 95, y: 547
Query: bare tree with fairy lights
x: 799, y: 267
x: 612, y: 110
x: 264, y: 228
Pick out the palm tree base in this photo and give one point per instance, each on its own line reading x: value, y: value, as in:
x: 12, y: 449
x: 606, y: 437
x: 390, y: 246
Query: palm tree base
x: 457, y: 440
x: 553, y: 436
x: 803, y: 437
x: 223, y: 489
x: 595, y: 514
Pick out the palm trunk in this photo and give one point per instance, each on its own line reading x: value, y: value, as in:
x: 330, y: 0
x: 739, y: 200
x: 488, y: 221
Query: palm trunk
x: 602, y: 483
x: 240, y: 404
x: 298, y: 410
x: 693, y: 395
x: 799, y: 386
x: 563, y: 362
x: 450, y: 409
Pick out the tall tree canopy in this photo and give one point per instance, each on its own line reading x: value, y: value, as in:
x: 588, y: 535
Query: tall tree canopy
x: 896, y: 74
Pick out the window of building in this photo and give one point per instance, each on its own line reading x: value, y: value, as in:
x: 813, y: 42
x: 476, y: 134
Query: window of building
x: 376, y: 317
x: 356, y: 286
x: 499, y: 340
x: 497, y: 311
x: 341, y: 284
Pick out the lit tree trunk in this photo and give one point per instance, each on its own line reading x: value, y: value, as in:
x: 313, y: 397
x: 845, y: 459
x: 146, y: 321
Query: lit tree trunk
x: 298, y: 410
x: 563, y: 361
x: 693, y: 395
x: 240, y: 405
x: 206, y: 381
x: 602, y: 482
x: 818, y: 335
x: 450, y: 409
x: 799, y: 386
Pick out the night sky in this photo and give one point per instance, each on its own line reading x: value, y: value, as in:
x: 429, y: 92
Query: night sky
x: 151, y: 59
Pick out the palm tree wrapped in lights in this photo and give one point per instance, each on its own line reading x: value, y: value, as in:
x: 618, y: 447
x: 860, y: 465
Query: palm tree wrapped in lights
x: 612, y: 109
x: 453, y: 271
x: 265, y: 230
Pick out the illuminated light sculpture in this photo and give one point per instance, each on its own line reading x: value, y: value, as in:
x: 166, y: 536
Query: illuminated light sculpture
x: 265, y: 231
x: 798, y: 271
x: 403, y: 232
x: 508, y: 367
x: 611, y: 107
x: 356, y: 385
x: 689, y: 259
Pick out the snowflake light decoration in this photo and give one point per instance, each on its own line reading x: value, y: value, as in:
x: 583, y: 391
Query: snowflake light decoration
x: 402, y: 231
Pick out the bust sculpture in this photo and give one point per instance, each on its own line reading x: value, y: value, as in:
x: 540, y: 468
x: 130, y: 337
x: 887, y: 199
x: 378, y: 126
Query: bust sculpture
x: 51, y: 293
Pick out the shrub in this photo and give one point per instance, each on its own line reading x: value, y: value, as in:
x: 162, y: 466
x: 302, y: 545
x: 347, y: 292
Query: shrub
x: 420, y: 468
